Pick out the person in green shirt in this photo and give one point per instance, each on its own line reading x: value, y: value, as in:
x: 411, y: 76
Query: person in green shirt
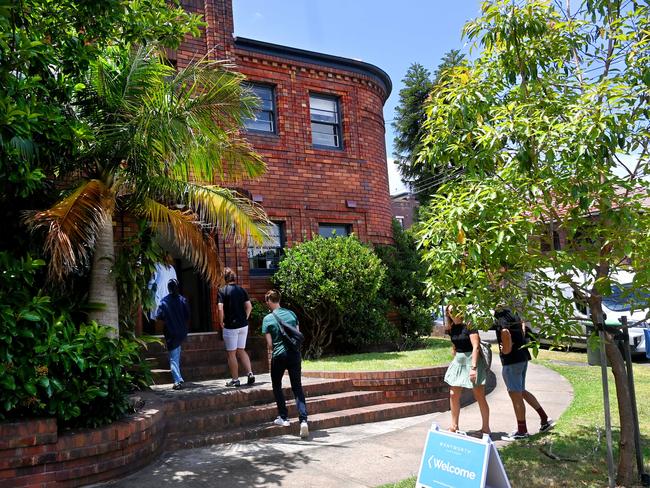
x: 284, y: 359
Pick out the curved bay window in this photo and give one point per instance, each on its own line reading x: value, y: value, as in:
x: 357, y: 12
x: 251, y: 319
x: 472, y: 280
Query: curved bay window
x: 264, y: 259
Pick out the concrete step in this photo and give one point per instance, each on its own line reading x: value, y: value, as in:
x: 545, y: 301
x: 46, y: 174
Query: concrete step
x: 318, y: 421
x: 257, y: 414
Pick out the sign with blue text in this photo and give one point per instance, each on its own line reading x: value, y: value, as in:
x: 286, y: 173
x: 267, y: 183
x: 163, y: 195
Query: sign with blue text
x: 453, y: 460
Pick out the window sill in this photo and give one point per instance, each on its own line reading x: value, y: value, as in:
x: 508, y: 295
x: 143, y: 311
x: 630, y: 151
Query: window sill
x: 261, y: 272
x: 328, y: 148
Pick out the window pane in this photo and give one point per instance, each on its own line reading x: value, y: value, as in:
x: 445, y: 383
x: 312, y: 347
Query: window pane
x: 328, y: 140
x: 261, y: 125
x: 333, y: 230
x: 264, y: 115
x: 326, y: 104
x: 267, y: 256
x: 323, y: 116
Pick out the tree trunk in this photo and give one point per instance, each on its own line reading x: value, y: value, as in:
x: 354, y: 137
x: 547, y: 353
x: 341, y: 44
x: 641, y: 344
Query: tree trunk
x: 102, y: 282
x: 626, y: 472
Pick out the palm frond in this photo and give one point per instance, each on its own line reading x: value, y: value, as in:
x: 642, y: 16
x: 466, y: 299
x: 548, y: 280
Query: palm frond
x: 72, y: 225
x: 192, y: 123
x: 217, y: 207
x: 185, y: 230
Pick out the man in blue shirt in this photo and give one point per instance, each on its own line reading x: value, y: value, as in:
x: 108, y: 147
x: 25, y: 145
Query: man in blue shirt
x: 283, y: 358
x: 174, y: 312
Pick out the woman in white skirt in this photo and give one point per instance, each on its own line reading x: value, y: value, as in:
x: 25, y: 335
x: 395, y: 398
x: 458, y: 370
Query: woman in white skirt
x: 467, y: 369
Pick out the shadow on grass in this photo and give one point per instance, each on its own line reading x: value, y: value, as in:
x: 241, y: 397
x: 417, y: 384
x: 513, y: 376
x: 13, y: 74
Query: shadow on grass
x: 575, y: 459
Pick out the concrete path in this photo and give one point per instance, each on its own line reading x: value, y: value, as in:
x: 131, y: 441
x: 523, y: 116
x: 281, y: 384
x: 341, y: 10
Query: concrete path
x: 364, y: 455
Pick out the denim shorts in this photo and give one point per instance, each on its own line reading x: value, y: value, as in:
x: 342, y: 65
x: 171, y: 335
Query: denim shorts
x: 514, y: 376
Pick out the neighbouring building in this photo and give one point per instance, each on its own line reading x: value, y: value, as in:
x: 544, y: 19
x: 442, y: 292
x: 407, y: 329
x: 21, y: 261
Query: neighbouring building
x: 403, y: 206
x: 320, y: 128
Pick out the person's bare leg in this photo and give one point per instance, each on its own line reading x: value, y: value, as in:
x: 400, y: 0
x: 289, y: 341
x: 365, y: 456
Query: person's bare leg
x: 232, y: 364
x: 532, y: 401
x: 479, y: 395
x: 454, y: 405
x: 245, y: 360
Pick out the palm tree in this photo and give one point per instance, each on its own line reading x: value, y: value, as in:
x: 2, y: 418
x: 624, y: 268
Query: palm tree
x: 153, y: 142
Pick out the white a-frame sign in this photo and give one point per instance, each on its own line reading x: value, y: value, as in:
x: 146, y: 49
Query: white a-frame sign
x: 457, y: 461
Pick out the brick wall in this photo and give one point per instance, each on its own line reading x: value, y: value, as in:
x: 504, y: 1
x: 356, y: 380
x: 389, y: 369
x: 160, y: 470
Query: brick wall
x: 305, y: 186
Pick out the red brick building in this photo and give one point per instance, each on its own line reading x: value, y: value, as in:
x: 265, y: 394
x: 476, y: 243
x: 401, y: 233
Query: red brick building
x: 403, y: 206
x: 320, y: 130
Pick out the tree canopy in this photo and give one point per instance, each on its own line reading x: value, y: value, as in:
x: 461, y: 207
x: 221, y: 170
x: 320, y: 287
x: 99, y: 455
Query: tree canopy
x: 410, y: 115
x: 550, y: 124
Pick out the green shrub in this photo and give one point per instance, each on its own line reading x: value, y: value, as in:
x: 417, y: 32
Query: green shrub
x: 260, y: 310
x: 334, y: 284
x: 404, y: 286
x: 51, y: 367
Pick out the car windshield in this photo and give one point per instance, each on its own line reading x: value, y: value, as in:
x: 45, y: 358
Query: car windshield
x: 622, y: 299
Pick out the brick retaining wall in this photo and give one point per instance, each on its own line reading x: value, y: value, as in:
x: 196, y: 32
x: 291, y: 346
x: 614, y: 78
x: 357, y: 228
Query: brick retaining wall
x: 33, y: 454
x: 398, y: 386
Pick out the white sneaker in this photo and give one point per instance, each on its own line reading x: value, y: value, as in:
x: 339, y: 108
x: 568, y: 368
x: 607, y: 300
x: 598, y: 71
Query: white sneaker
x: 304, y: 429
x: 280, y: 421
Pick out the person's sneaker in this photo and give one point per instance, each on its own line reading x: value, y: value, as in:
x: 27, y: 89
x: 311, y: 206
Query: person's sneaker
x: 546, y: 426
x: 251, y: 379
x: 282, y: 422
x: 515, y: 436
x: 233, y: 383
x: 304, y: 429
x: 177, y: 386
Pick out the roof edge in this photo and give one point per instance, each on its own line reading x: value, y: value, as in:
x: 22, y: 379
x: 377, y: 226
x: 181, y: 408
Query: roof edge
x: 370, y: 70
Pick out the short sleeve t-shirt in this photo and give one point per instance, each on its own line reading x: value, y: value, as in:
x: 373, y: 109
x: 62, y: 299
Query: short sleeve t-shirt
x: 233, y: 298
x: 460, y: 337
x: 271, y: 326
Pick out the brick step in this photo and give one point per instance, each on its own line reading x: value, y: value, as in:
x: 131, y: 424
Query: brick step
x: 163, y: 376
x: 204, y: 340
x: 204, y: 357
x: 247, y: 415
x: 213, y: 396
x: 319, y: 421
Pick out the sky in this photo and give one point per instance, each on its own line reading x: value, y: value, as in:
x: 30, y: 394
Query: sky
x: 391, y: 34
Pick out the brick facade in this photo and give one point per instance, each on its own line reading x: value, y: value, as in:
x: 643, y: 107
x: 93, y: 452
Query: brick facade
x: 403, y: 206
x: 305, y: 185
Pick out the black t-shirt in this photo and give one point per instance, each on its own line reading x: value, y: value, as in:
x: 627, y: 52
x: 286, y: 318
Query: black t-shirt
x: 506, y: 319
x: 233, y: 298
x: 459, y: 334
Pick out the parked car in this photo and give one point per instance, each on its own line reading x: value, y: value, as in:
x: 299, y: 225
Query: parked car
x: 623, y: 301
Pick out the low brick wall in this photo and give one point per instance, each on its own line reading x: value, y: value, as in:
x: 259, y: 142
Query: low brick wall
x: 398, y: 386
x: 33, y: 454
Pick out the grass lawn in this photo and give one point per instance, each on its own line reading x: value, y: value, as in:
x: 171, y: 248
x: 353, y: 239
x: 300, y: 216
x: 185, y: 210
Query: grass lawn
x: 437, y: 352
x: 578, y: 439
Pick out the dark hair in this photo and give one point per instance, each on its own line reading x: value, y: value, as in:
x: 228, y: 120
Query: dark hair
x: 273, y: 296
x: 448, y: 320
x: 172, y: 286
x: 229, y: 275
